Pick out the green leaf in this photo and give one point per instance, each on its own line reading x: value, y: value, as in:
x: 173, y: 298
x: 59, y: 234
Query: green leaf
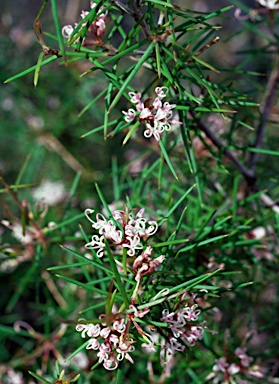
x: 58, y: 28
x: 263, y: 151
x: 29, y: 70
x: 38, y: 67
x: 41, y: 379
x: 166, y: 157
x: 131, y: 75
x: 117, y: 276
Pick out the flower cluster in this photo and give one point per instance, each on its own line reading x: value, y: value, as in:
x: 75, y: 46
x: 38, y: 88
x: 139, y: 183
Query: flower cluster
x: 124, y: 231
x: 115, y: 344
x: 184, y: 327
x: 227, y: 367
x: 113, y: 341
x: 270, y: 4
x: 97, y: 28
x: 157, y: 116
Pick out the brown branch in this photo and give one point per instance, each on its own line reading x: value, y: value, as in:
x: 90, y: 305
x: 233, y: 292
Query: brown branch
x: 267, y: 105
x: 248, y: 174
x: 138, y: 15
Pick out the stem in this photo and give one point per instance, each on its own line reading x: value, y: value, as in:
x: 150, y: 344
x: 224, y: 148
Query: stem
x: 124, y: 261
x: 249, y: 174
x: 138, y: 15
x: 267, y: 105
x: 41, y: 10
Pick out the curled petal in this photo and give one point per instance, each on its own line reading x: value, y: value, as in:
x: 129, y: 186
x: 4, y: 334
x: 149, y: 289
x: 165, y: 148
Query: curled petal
x: 167, y: 106
x: 93, y: 344
x: 161, y: 91
x: 119, y: 325
x: 130, y: 115
x: 153, y: 226
x: 97, y: 243
x: 134, y: 97
x: 88, y: 212
x: 152, y: 131
x: 110, y: 364
x: 105, y: 332
x: 67, y: 31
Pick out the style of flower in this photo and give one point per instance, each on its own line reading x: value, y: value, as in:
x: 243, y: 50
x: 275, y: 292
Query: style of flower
x: 270, y: 4
x: 157, y: 116
x: 124, y: 231
x: 226, y: 367
x: 184, y: 326
x: 97, y: 28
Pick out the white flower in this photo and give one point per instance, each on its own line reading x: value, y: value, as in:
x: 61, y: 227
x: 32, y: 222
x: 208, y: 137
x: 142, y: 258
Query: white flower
x: 233, y: 369
x: 67, y: 31
x: 134, y: 243
x: 51, y: 192
x: 270, y: 4
x: 93, y: 344
x: 153, y: 131
x: 97, y: 242
x: 14, y: 377
x: 157, y: 116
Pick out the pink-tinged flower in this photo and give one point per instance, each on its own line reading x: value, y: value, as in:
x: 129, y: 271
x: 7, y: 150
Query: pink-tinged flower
x: 245, y: 359
x: 93, y: 344
x: 189, y: 314
x: 135, y: 98
x: 112, y: 342
x: 110, y: 364
x: 144, y: 265
x: 133, y: 245
x: 157, y: 116
x: 183, y: 325
x: 270, y: 4
x: 67, y: 31
x: 226, y: 367
x: 119, y: 325
x: 130, y: 115
x: 220, y: 365
x: 139, y: 313
x: 97, y: 28
x: 91, y: 330
x: 161, y: 92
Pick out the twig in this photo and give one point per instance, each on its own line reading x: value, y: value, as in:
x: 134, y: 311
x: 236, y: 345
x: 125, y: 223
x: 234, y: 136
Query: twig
x: 138, y: 15
x: 249, y: 174
x: 260, y: 131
